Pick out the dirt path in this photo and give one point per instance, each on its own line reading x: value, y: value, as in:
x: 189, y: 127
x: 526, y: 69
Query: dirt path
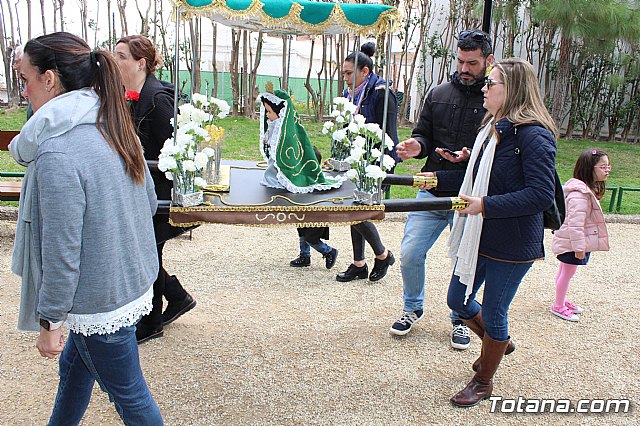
x: 270, y: 344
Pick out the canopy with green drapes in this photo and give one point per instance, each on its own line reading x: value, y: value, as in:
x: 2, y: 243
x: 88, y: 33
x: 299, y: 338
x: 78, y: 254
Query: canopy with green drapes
x: 296, y: 16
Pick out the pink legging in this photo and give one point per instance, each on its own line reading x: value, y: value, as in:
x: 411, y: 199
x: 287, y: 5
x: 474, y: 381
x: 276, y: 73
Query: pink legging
x: 563, y: 277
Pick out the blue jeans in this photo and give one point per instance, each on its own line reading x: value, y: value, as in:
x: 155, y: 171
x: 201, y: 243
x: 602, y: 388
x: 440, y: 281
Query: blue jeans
x: 420, y: 233
x: 112, y: 360
x: 501, y: 281
x: 320, y: 247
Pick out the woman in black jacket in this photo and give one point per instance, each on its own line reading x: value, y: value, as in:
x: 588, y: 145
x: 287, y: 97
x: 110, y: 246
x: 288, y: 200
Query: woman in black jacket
x: 368, y: 96
x: 152, y: 104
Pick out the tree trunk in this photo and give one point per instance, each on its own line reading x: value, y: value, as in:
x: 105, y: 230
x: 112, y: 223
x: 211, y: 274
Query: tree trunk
x: 28, y: 19
x: 245, y: 74
x: 61, y: 3
x: 6, y: 55
x: 253, y: 94
x: 55, y: 15
x: 214, y: 62
x: 83, y: 20
x: 562, y: 79
x: 44, y: 22
x: 144, y: 18
x: 233, y: 69
x: 307, y: 83
x: 194, y: 32
x: 122, y: 4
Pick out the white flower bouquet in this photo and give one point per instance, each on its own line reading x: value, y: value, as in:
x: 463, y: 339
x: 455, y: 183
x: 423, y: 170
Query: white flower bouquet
x: 368, y: 163
x: 342, y: 115
x: 184, y: 157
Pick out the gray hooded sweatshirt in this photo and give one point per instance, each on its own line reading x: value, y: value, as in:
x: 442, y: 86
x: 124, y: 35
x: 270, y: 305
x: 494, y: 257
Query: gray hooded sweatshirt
x: 84, y: 247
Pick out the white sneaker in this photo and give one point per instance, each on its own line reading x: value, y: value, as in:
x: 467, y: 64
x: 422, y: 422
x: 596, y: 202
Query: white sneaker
x: 460, y: 337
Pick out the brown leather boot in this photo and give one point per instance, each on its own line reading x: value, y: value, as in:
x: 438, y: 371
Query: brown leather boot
x: 476, y: 324
x: 481, y: 386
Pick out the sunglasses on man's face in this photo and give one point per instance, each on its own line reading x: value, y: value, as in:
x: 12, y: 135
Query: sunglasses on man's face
x: 475, y: 34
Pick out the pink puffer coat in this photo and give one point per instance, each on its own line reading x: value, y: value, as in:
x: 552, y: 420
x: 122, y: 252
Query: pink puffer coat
x: 584, y: 228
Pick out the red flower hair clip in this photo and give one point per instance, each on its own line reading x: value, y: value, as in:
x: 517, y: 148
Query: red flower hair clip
x: 594, y: 151
x: 131, y: 95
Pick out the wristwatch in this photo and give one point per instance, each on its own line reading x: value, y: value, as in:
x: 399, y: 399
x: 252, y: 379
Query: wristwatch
x: 50, y: 326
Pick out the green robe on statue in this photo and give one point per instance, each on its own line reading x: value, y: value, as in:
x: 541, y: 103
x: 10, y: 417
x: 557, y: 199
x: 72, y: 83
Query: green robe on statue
x: 285, y: 145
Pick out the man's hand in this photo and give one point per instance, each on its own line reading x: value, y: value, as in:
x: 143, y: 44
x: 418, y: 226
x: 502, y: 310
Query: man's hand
x: 463, y: 155
x: 475, y: 204
x: 50, y: 343
x: 408, y: 149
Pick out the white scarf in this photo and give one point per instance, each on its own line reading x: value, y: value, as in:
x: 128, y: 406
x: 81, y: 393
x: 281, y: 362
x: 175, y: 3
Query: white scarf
x: 464, y: 240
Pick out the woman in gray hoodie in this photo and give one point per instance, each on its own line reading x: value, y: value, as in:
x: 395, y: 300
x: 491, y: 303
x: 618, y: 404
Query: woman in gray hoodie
x: 84, y: 238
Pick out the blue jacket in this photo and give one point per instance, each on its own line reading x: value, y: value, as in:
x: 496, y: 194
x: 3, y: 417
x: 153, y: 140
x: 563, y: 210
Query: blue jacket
x: 372, y: 108
x: 521, y: 187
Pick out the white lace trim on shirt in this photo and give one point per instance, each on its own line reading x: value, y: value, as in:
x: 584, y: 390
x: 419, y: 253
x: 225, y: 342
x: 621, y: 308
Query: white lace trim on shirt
x: 110, y: 322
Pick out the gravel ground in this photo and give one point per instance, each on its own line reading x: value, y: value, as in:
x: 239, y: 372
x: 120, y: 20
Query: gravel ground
x: 272, y: 345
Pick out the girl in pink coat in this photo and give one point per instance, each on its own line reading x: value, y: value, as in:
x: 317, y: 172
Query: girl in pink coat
x: 584, y: 229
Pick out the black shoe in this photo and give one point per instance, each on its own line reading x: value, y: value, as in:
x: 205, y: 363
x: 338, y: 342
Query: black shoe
x: 330, y: 258
x: 353, y: 272
x: 300, y: 261
x: 176, y: 309
x: 144, y: 333
x: 380, y: 267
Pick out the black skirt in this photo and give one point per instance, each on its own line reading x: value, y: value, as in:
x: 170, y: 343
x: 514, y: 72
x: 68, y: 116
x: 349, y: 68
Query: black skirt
x: 571, y: 259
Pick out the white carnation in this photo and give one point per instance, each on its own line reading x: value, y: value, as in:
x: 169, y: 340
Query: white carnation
x: 189, y: 166
x: 374, y: 171
x: 359, y: 142
x: 339, y: 119
x: 209, y: 152
x: 353, y: 127
x: 360, y: 119
x: 167, y: 163
x: 339, y: 135
x: 200, y: 160
x: 199, y: 182
x: 352, y: 174
x: 388, y: 162
x: 168, y: 175
x: 376, y: 153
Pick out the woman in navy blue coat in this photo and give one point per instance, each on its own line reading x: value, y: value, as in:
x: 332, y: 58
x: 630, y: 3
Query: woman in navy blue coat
x: 495, y: 240
x: 369, y: 96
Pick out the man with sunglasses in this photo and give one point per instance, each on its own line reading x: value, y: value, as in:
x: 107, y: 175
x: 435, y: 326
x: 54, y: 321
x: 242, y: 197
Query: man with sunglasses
x: 447, y: 125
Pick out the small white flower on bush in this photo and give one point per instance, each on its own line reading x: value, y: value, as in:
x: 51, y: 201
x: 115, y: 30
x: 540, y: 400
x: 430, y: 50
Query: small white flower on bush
x: 199, y: 100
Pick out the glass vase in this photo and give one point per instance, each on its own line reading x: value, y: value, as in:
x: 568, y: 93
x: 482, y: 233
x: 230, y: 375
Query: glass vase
x: 367, y: 191
x: 212, y: 170
x: 184, y: 193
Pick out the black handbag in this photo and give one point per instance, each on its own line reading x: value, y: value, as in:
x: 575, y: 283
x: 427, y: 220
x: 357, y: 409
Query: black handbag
x: 553, y: 217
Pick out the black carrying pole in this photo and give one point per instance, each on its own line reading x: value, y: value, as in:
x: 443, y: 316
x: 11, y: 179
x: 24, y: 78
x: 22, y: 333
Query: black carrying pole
x: 486, y: 16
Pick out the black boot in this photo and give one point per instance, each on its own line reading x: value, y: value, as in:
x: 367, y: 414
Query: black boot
x: 150, y: 326
x: 330, y: 258
x: 179, y: 301
x: 353, y: 272
x: 300, y: 261
x: 380, y: 267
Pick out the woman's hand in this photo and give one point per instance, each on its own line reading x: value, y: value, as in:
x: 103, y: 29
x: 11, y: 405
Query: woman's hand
x: 475, y: 204
x: 50, y: 343
x: 579, y: 255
